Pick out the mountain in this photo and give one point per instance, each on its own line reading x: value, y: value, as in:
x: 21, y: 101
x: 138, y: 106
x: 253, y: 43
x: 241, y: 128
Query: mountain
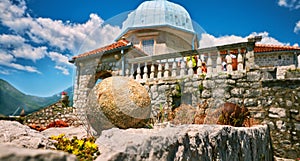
x: 13, y: 101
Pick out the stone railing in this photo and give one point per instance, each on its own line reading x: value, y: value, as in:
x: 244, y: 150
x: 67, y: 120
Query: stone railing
x: 181, y: 64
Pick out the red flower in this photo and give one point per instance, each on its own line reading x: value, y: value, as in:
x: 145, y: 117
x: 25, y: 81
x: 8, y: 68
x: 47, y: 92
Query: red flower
x: 64, y: 93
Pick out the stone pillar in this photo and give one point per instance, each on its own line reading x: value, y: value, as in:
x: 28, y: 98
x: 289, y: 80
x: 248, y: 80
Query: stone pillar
x: 85, y: 81
x: 250, y: 64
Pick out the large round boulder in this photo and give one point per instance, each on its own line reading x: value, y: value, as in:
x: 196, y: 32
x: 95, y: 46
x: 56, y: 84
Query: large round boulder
x: 118, y: 102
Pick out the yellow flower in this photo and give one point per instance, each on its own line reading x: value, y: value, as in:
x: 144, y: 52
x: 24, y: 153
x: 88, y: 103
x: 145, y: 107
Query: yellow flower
x: 75, y: 152
x: 61, y: 135
x: 69, y: 148
x: 53, y: 137
x: 80, y: 143
x: 90, y: 145
x: 94, y: 146
x: 65, y: 139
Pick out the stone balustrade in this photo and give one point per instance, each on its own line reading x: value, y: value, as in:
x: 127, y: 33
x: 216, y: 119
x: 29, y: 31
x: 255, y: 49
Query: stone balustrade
x: 181, y: 64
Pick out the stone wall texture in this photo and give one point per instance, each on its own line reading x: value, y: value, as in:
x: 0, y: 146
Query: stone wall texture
x: 55, y: 112
x: 274, y: 102
x: 187, y: 142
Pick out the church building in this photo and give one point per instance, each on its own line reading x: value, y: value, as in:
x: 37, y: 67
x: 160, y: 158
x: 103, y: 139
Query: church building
x: 158, y: 40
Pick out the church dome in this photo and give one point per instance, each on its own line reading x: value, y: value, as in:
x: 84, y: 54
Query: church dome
x: 158, y: 13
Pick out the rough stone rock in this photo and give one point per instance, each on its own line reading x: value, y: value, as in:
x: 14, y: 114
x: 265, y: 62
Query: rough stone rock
x: 280, y: 112
x: 12, y: 153
x: 118, y: 101
x: 184, y: 114
x: 187, y: 142
x: 14, y: 133
x: 79, y: 132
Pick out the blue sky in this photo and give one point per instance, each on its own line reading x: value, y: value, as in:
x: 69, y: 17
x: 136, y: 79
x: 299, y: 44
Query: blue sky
x: 37, y: 37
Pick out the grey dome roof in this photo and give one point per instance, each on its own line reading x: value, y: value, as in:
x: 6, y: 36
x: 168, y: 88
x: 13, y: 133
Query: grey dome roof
x: 157, y: 13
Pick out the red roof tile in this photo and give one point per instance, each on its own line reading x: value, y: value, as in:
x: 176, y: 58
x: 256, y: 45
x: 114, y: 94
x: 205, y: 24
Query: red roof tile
x: 118, y: 44
x: 260, y: 48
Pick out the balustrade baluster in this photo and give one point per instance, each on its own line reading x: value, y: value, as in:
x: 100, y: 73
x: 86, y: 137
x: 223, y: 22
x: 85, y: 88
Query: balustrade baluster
x: 127, y: 73
x: 152, y: 71
x: 132, y: 71
x: 199, y: 65
x: 240, y: 61
x: 219, y: 63
x: 166, y: 71
x: 209, y: 65
x: 174, y: 68
x: 145, y: 76
x: 182, y: 68
x: 190, y: 66
x: 159, y: 74
x: 229, y: 62
x: 138, y: 71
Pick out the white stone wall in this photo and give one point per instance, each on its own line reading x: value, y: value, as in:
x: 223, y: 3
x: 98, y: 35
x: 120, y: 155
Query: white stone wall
x: 85, y: 81
x: 271, y: 60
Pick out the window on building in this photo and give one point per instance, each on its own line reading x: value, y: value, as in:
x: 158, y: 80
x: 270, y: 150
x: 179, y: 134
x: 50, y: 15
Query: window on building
x: 148, y: 46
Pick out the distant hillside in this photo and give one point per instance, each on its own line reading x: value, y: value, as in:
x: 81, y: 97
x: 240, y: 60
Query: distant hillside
x: 11, y: 99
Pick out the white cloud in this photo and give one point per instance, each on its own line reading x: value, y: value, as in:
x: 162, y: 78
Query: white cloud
x: 58, y: 58
x: 297, y: 27
x: 56, y: 33
x: 61, y: 61
x: 210, y: 40
x: 282, y: 3
x: 8, y: 60
x: 5, y: 71
x: 5, y: 58
x: 24, y: 68
x: 64, y: 70
x: 49, y: 34
x: 11, y: 40
x: 28, y: 52
x: 266, y: 39
x: 292, y: 4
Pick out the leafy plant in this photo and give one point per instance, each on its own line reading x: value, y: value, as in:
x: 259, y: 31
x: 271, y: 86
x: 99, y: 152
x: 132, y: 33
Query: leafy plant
x: 201, y: 88
x: 232, y: 114
x: 294, y: 70
x: 85, y: 149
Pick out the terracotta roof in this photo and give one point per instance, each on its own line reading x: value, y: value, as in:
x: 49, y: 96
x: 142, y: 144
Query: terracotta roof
x: 261, y: 48
x: 118, y: 44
